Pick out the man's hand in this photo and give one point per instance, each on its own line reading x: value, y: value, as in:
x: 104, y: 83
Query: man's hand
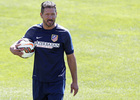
x: 16, y: 51
x: 74, y: 86
x: 73, y: 69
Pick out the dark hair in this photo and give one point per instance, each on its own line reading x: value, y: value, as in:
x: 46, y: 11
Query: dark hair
x: 47, y: 4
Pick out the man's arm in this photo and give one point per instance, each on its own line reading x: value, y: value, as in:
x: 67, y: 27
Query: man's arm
x: 15, y: 51
x: 73, y: 69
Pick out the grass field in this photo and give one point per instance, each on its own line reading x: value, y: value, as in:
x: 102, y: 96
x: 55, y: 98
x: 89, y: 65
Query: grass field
x: 106, y: 38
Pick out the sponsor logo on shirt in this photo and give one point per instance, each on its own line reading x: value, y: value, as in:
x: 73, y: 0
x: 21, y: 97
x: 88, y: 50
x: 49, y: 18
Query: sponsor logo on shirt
x: 48, y: 45
x: 38, y: 37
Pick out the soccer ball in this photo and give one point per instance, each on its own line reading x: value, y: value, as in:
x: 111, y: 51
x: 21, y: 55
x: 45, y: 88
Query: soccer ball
x: 28, y: 47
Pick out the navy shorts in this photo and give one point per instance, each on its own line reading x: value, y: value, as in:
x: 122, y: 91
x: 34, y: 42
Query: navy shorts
x: 48, y: 90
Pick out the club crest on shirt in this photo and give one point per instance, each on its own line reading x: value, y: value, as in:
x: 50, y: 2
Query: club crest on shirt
x: 54, y: 37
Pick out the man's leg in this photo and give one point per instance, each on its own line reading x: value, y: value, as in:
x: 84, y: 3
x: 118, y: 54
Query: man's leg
x: 38, y: 91
x: 55, y: 96
x: 56, y: 90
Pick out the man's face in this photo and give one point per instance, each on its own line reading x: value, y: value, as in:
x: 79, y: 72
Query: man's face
x: 49, y: 17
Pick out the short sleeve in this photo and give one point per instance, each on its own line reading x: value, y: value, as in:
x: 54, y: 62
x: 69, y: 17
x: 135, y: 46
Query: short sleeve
x: 68, y: 46
x: 29, y: 34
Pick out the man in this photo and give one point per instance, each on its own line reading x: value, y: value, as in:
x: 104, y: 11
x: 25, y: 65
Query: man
x: 51, y: 41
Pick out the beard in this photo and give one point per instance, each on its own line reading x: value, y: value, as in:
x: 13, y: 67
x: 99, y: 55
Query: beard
x: 49, y: 22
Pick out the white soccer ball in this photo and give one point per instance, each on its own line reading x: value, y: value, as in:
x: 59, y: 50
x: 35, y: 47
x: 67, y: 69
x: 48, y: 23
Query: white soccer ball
x: 28, y: 47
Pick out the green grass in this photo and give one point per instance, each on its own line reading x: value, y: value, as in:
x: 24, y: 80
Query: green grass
x: 106, y: 38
